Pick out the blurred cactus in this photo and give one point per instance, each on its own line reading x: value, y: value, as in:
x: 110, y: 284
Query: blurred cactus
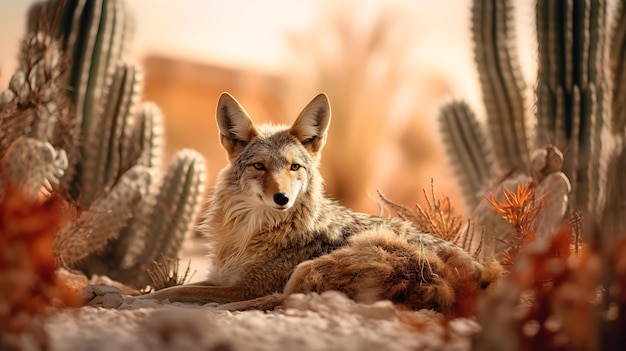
x: 36, y: 123
x: 29, y: 163
x: 102, y: 147
x: 579, y: 110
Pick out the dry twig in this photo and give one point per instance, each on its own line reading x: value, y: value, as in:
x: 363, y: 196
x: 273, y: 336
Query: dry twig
x: 164, y: 274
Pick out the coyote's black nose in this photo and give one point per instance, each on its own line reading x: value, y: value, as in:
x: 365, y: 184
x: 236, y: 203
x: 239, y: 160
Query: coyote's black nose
x: 281, y: 199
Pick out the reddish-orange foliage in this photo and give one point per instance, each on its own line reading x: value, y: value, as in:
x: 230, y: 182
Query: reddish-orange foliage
x: 27, y: 268
x: 519, y: 209
x: 620, y: 277
x: 561, y: 286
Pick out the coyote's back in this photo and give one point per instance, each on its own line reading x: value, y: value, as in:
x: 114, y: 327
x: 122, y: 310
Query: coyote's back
x: 272, y: 230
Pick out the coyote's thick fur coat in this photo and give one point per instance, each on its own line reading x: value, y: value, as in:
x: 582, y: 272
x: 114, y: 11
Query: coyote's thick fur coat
x: 273, y: 232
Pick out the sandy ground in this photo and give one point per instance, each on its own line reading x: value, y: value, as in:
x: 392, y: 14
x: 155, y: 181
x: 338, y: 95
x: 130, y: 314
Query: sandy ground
x: 329, y: 321
x: 307, y: 322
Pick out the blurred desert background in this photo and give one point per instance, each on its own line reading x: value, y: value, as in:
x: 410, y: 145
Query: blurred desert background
x: 386, y: 66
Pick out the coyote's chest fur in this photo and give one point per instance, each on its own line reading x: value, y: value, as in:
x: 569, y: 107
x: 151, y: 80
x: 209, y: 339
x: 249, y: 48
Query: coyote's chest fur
x: 241, y: 233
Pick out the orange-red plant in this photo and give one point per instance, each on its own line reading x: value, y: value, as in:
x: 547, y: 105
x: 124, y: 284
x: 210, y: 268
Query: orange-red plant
x: 27, y: 267
x: 519, y: 209
x: 438, y: 218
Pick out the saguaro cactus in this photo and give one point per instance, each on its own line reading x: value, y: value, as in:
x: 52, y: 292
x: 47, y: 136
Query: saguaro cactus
x: 131, y: 212
x: 579, y: 107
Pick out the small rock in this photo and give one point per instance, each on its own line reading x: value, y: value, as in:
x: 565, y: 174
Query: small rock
x: 112, y: 300
x: 103, y: 289
x: 101, y: 295
x: 87, y: 293
x: 96, y: 301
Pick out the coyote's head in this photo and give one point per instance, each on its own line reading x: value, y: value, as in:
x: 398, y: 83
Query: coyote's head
x: 272, y: 166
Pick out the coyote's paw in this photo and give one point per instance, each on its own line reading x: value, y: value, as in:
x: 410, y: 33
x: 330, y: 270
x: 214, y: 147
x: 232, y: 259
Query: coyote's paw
x: 102, y: 295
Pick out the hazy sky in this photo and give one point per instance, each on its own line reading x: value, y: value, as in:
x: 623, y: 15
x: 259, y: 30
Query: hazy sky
x: 251, y: 33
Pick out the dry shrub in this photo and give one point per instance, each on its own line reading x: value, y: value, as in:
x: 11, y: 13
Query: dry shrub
x: 27, y: 267
x: 437, y: 218
x: 165, y: 274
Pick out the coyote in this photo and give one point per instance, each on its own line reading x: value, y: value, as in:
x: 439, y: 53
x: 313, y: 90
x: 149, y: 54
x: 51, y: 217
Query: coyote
x: 274, y: 233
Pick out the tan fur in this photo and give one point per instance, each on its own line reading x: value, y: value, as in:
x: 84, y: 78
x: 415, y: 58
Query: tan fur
x: 274, y: 233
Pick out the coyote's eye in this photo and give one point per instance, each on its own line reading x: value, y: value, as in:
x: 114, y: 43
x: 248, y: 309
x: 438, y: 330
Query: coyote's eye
x: 295, y: 166
x: 258, y: 165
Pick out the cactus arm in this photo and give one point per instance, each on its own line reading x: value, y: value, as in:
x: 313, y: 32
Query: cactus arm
x: 104, y: 142
x: 169, y: 219
x: 147, y: 140
x: 149, y: 136
x: 502, y: 85
x: 177, y: 204
x: 465, y: 142
x: 121, y: 115
x: 102, y: 222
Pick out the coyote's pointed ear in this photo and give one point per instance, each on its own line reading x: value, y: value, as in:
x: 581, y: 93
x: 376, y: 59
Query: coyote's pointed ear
x: 311, y: 126
x: 235, y: 126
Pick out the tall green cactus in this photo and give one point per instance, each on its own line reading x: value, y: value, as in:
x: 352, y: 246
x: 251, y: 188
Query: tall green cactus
x: 132, y: 213
x: 579, y: 105
x: 613, y: 219
x: 573, y: 91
